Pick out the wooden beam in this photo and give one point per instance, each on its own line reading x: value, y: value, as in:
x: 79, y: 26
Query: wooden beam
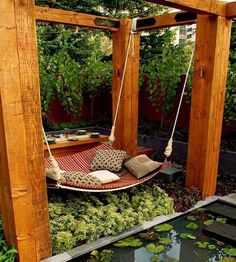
x: 207, y: 106
x: 166, y: 20
x: 231, y: 10
x: 127, y: 121
x: 23, y: 194
x: 74, y: 18
x: 213, y: 7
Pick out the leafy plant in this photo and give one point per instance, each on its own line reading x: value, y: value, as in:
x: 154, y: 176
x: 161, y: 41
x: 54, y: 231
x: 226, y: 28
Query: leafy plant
x: 230, y: 251
x: 129, y: 242
x: 163, y: 227
x: 228, y: 259
x: 155, y: 249
x: 7, y: 254
x: 187, y: 236
x: 88, y: 217
x: 165, y: 241
x: 192, y: 226
x: 104, y: 256
x: 208, y: 222
x: 205, y: 244
x: 221, y: 220
x: 191, y: 218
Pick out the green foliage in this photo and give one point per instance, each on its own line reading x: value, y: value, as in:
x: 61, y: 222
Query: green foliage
x: 221, y: 220
x: 163, y: 227
x: 162, y: 64
x: 7, y: 254
x: 165, y: 240
x: 228, y: 259
x: 187, y: 236
x: 155, y: 249
x: 230, y: 251
x: 192, y: 226
x: 129, y: 242
x: 89, y: 217
x: 63, y: 241
x: 71, y: 63
x: 112, y: 8
x: 104, y: 256
x: 191, y: 218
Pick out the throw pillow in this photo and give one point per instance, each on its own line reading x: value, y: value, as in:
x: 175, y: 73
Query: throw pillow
x: 141, y: 165
x: 104, y: 176
x: 108, y: 159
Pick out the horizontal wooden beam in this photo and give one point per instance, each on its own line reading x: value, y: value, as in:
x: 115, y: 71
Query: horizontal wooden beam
x: 231, y: 10
x: 214, y: 7
x: 74, y: 18
x: 166, y: 20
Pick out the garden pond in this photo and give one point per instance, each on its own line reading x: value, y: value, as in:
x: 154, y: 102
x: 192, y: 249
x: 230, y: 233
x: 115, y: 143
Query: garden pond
x: 182, y: 239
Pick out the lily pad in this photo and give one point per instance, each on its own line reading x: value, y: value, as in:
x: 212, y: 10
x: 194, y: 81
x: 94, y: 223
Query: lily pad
x: 208, y: 222
x: 211, y: 247
x: 192, y: 226
x: 187, y: 236
x: 230, y: 251
x: 163, y: 227
x: 191, y: 218
x: 202, y: 244
x: 201, y: 210
x: 165, y: 241
x: 155, y: 258
x: 222, y: 220
x: 154, y: 249
x: 129, y: 242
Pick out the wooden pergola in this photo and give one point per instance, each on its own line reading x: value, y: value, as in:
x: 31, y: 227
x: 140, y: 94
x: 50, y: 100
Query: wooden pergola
x: 23, y: 194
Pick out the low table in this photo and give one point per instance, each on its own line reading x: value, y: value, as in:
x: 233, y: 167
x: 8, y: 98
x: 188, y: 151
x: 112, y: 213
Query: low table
x: 63, y: 147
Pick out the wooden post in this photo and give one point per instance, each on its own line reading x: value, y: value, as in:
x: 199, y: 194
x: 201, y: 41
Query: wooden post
x: 207, y: 106
x: 127, y: 121
x: 23, y: 194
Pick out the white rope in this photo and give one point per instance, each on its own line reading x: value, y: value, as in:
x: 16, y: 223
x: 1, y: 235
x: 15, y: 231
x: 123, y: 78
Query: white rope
x: 169, y: 147
x: 54, y: 172
x: 132, y: 32
x: 46, y: 141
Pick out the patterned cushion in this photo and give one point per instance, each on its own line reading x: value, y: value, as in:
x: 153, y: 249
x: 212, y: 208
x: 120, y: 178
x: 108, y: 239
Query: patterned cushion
x: 81, y: 178
x: 141, y: 165
x: 108, y: 159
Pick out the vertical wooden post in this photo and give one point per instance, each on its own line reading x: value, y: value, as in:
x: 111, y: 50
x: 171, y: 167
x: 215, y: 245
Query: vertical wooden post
x: 127, y: 121
x: 23, y: 194
x: 207, y: 106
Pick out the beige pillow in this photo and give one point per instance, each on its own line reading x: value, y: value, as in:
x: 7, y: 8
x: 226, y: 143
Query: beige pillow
x: 108, y: 160
x: 141, y: 165
x: 104, y: 176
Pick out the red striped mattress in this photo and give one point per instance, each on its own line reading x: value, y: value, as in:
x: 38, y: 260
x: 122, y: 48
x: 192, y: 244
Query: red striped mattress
x: 80, y: 162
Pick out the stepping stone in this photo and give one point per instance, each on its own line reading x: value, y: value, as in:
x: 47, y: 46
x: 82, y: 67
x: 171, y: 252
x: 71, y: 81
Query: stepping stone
x: 223, y: 209
x: 223, y: 232
x: 169, y: 174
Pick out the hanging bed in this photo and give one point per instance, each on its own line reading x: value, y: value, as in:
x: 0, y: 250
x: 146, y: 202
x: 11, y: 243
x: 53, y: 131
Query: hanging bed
x: 81, y: 162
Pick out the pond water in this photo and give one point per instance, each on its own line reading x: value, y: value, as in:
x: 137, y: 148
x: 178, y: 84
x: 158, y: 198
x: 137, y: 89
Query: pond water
x: 179, y: 249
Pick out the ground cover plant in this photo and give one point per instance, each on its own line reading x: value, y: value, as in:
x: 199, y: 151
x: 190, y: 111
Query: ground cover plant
x: 7, y: 254
x: 75, y: 219
x: 163, y: 241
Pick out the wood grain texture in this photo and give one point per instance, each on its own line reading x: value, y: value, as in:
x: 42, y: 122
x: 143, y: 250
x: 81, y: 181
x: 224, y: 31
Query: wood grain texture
x: 30, y: 96
x: 214, y: 7
x: 71, y: 18
x: 164, y: 21
x: 208, y: 93
x: 127, y: 120
x: 231, y: 10
x: 15, y: 191
x: 72, y: 147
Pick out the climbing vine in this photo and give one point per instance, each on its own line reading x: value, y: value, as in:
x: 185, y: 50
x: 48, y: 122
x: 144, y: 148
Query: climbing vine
x: 162, y: 64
